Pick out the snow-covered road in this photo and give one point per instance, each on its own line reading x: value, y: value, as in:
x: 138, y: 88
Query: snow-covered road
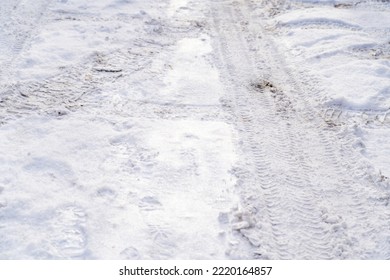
x: 190, y: 129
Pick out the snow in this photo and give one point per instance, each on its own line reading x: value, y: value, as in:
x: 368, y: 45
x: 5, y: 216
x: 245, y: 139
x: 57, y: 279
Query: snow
x: 75, y: 32
x: 340, y: 50
x: 346, y: 50
x: 373, y: 139
x: 88, y: 185
x: 110, y: 176
x: 184, y: 129
x: 175, y: 5
x: 191, y: 79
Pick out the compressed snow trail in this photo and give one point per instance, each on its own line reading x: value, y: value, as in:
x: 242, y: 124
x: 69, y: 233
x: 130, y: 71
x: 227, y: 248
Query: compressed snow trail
x: 171, y: 130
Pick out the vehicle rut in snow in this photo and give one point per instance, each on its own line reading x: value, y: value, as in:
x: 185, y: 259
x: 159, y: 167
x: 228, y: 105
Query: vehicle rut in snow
x: 297, y: 191
x: 25, y: 16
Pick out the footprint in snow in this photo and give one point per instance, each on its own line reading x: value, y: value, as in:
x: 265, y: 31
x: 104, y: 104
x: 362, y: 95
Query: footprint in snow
x: 68, y: 237
x: 106, y: 194
x: 130, y: 253
x: 149, y: 203
x: 164, y: 245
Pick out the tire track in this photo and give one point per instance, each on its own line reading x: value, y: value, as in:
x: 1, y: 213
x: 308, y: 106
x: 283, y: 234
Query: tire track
x: 6, y: 37
x: 272, y: 214
x: 20, y: 21
x: 81, y: 85
x: 339, y: 159
x: 348, y: 178
x: 286, y: 152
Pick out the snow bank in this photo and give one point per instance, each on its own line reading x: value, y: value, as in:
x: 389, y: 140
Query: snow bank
x: 345, y: 49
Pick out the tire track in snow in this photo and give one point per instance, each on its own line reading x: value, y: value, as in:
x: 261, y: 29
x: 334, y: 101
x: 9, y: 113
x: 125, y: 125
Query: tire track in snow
x: 294, y: 223
x: 78, y: 86
x: 347, y: 177
x: 18, y: 22
x: 271, y: 228
x: 6, y: 38
x: 21, y: 18
x: 355, y: 189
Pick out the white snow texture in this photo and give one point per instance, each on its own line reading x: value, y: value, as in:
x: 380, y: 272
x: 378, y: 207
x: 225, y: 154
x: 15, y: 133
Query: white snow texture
x: 191, y: 129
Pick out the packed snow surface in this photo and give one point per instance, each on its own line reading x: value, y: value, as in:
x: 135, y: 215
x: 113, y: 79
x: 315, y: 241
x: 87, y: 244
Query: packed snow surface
x: 189, y: 129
